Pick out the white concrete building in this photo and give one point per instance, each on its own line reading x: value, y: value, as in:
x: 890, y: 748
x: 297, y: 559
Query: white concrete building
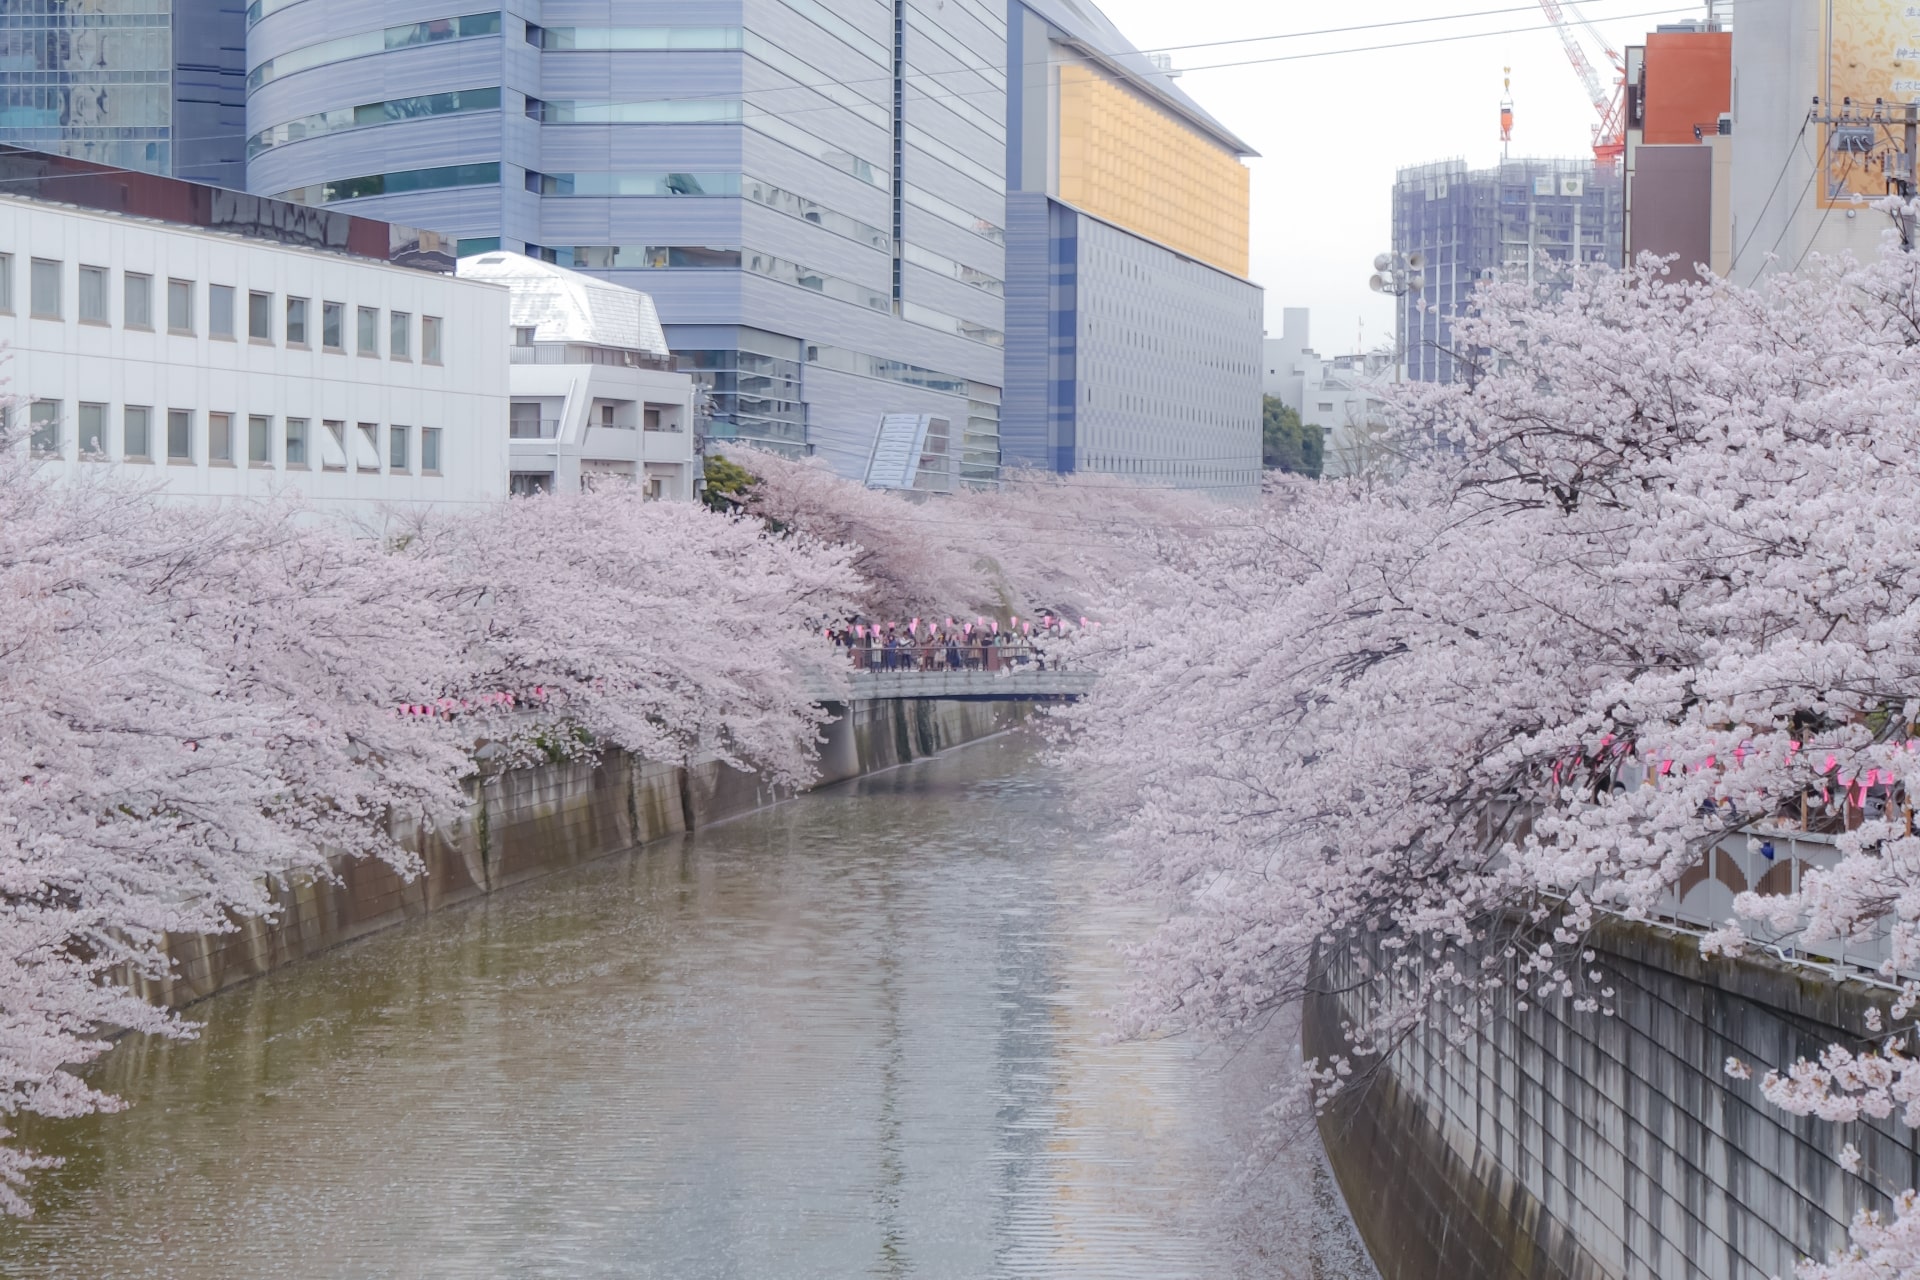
x: 1345, y: 397
x: 593, y: 388
x: 226, y: 363
x: 1289, y: 358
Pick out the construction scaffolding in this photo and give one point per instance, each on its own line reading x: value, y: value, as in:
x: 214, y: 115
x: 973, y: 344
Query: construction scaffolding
x: 1520, y: 220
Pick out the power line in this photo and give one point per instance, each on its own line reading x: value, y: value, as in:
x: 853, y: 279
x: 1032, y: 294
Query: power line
x: 966, y: 68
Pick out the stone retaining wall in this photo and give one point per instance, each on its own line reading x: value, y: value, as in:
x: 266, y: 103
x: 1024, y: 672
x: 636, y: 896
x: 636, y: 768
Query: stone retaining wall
x: 1558, y: 1145
x: 532, y: 822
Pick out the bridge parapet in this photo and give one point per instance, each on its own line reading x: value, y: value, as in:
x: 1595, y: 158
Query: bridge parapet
x: 968, y: 686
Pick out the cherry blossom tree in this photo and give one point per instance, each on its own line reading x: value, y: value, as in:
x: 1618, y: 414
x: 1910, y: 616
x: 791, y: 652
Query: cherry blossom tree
x: 660, y: 628
x: 194, y: 701
x: 1039, y: 543
x: 1653, y: 580
x: 198, y: 699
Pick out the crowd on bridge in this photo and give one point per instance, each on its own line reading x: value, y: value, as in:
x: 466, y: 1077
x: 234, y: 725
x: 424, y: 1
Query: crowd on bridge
x: 982, y: 644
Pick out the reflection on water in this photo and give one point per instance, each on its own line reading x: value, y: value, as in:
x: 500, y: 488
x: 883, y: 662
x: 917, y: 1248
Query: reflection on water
x: 857, y: 1035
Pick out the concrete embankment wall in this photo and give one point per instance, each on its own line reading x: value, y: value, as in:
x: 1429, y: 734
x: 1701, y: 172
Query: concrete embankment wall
x: 532, y: 822
x: 1558, y: 1145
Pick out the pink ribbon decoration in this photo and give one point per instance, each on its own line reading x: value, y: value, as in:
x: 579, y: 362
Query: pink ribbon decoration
x: 1027, y: 628
x: 1828, y: 766
x: 996, y: 626
x: 1083, y: 621
x: 1666, y: 767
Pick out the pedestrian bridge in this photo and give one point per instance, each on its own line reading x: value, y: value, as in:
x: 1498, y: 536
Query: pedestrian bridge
x: 1017, y: 685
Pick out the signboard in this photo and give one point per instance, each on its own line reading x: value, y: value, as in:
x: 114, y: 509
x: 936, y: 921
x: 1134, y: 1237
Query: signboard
x: 1873, y: 51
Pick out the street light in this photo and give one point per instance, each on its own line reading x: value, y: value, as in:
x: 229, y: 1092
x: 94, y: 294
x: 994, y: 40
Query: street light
x: 1397, y: 275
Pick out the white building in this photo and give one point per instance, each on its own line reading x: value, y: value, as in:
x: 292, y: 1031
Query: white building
x: 226, y: 362
x: 1288, y: 360
x: 1345, y: 398
x: 593, y: 388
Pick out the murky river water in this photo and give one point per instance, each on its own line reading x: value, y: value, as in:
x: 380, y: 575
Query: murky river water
x: 856, y: 1035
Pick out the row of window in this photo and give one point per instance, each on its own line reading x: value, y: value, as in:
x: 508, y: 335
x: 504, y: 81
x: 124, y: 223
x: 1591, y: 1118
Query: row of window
x: 46, y: 300
x: 294, y: 447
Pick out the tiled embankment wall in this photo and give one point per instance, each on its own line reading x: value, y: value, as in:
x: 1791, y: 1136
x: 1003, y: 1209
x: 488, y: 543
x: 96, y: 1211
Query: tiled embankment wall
x: 532, y: 822
x: 1558, y: 1145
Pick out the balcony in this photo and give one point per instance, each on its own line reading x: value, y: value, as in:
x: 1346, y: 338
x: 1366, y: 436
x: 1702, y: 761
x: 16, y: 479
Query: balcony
x: 533, y: 428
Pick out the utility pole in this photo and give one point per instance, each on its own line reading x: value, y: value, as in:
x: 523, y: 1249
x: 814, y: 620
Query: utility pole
x: 1886, y: 135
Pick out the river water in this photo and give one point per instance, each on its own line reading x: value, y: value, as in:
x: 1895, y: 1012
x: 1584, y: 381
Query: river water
x: 859, y: 1034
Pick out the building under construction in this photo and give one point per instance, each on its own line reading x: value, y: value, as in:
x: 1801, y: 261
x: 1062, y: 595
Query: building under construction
x: 1521, y: 220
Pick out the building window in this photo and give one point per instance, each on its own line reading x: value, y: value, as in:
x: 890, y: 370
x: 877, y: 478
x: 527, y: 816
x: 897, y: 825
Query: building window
x: 526, y: 484
x: 136, y: 301
x: 259, y: 440
x: 179, y: 306
x: 296, y: 444
x: 399, y: 335
x: 366, y: 453
x: 333, y: 446
x: 136, y: 443
x: 523, y: 420
x: 260, y: 317
x: 46, y: 288
x: 369, y: 334
x: 398, y: 438
x: 296, y: 322
x: 179, y: 435
x: 44, y: 419
x: 93, y: 295
x: 430, y: 339
x: 650, y: 419
x: 220, y: 439
x: 606, y: 415
x: 430, y: 451
x: 523, y: 335
x: 333, y: 319
x: 93, y: 432
x: 220, y: 311
x: 6, y: 283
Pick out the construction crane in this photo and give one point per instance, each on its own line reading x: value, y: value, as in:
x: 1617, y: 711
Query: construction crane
x: 1609, y: 101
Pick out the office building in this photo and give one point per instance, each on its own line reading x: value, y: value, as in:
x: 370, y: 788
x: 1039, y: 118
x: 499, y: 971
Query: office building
x: 156, y: 86
x: 594, y: 393
x: 1521, y: 220
x: 811, y: 190
x: 1134, y: 334
x: 222, y: 346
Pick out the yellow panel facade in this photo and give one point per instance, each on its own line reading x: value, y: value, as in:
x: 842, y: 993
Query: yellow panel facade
x: 1136, y: 164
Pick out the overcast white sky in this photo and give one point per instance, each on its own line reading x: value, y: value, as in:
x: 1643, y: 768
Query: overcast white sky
x: 1332, y: 130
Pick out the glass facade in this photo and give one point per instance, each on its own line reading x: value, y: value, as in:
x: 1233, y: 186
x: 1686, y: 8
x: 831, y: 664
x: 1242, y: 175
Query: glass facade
x: 466, y: 27
x: 755, y: 395
x: 459, y: 102
x: 150, y: 85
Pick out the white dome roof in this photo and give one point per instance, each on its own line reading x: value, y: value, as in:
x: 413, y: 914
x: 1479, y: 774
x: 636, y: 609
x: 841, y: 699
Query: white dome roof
x: 566, y: 306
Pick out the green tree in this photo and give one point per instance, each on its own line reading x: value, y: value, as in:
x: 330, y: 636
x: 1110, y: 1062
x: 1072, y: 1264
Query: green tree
x: 727, y: 483
x: 1286, y: 443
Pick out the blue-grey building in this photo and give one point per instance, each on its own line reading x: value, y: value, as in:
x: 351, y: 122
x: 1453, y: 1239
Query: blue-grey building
x: 1521, y: 220
x: 1134, y: 336
x: 811, y: 190
x: 152, y: 85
